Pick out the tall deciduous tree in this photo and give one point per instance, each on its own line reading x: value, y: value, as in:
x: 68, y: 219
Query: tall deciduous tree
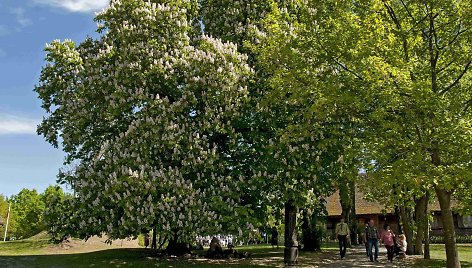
x: 56, y: 212
x: 288, y: 161
x: 303, y: 154
x: 413, y: 60
x: 403, y: 65
x: 145, y: 113
x: 27, y: 210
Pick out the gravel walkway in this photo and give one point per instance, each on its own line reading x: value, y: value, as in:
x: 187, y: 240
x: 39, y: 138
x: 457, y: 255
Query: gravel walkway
x: 355, y: 257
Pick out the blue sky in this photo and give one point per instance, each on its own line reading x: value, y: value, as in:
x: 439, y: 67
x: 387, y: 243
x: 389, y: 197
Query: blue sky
x: 26, y: 160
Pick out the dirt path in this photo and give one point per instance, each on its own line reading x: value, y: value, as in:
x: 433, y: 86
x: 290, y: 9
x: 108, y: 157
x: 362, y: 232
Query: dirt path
x: 355, y: 257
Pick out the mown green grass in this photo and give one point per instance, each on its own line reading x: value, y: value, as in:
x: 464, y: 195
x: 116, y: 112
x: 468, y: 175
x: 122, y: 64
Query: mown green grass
x: 438, y: 256
x: 16, y: 255
x: 34, y: 245
x: 36, y: 252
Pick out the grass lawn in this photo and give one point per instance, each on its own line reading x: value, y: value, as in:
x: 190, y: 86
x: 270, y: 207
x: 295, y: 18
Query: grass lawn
x: 38, y: 252
x: 438, y: 256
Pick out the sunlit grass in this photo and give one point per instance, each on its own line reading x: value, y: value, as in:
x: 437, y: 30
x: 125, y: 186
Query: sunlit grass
x: 438, y: 256
x: 37, y: 252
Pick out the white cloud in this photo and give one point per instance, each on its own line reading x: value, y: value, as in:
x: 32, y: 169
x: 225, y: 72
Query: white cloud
x: 20, y: 17
x: 10, y: 124
x: 76, y: 5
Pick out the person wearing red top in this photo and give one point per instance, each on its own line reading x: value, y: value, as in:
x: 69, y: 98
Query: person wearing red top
x: 388, y: 239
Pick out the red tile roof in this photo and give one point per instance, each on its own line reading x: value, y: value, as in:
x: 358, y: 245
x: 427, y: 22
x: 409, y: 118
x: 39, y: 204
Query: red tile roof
x: 364, y: 207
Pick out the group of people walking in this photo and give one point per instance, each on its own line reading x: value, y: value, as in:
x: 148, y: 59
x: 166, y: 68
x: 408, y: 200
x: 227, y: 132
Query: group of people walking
x: 395, y: 245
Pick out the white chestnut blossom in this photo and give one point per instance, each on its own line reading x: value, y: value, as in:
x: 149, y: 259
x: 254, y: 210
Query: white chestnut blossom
x: 145, y: 113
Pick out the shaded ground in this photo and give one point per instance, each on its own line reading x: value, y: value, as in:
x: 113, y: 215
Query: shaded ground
x: 95, y: 253
x: 356, y: 257
x: 262, y: 257
x: 40, y: 245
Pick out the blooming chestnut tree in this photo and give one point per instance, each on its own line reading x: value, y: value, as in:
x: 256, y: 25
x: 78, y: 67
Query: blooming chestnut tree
x: 283, y: 144
x: 145, y: 115
x: 293, y: 140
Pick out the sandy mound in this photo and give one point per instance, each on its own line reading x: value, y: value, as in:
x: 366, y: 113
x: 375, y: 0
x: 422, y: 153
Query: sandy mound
x: 94, y: 243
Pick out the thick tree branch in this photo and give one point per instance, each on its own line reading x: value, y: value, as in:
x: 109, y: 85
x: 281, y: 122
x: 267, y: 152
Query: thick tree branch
x: 397, y: 23
x: 454, y: 38
x: 403, y: 94
x: 467, y: 105
x: 408, y: 11
x: 445, y: 67
x: 420, y: 21
x: 344, y: 67
x: 464, y: 71
x: 433, y: 55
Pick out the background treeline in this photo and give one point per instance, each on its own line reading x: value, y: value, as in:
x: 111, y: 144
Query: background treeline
x: 28, y: 214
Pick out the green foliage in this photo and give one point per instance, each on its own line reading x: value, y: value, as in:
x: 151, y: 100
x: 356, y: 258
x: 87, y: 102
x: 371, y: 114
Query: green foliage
x: 146, y: 112
x: 464, y: 197
x: 27, y: 210
x: 56, y: 211
x: 32, y: 213
x: 158, y: 120
x: 4, y: 202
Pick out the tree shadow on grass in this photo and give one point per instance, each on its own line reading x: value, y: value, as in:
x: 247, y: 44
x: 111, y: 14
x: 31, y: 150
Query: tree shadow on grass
x: 261, y: 257
x: 435, y: 263
x: 121, y: 258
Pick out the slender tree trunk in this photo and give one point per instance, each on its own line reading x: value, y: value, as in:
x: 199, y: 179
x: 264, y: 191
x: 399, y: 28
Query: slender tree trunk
x: 407, y: 228
x: 291, y: 242
x: 154, y: 238
x: 162, y: 241
x: 399, y: 219
x: 347, y: 199
x: 447, y: 219
x: 426, y: 231
x: 353, y: 223
x: 421, y: 219
x: 311, y: 239
x: 306, y: 231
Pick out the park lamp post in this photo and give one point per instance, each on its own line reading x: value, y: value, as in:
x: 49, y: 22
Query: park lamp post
x: 6, y: 226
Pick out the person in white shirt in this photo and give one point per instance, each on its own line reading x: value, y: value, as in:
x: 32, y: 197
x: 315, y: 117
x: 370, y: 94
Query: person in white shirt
x: 342, y: 233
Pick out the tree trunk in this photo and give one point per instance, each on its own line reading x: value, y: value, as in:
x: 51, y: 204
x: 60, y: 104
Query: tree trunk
x: 447, y: 219
x: 291, y: 242
x: 177, y: 248
x: 311, y: 236
x: 154, y: 238
x: 347, y: 200
x: 399, y: 219
x: 162, y: 241
x: 407, y: 229
x: 421, y: 219
x: 353, y: 217
x: 426, y: 231
x: 307, y: 245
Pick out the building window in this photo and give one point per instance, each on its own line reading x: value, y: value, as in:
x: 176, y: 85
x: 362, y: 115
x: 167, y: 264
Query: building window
x: 436, y: 224
x: 467, y: 221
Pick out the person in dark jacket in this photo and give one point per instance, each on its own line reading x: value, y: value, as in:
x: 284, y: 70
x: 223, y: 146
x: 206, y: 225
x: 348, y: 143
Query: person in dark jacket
x: 275, y: 237
x: 372, y: 238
